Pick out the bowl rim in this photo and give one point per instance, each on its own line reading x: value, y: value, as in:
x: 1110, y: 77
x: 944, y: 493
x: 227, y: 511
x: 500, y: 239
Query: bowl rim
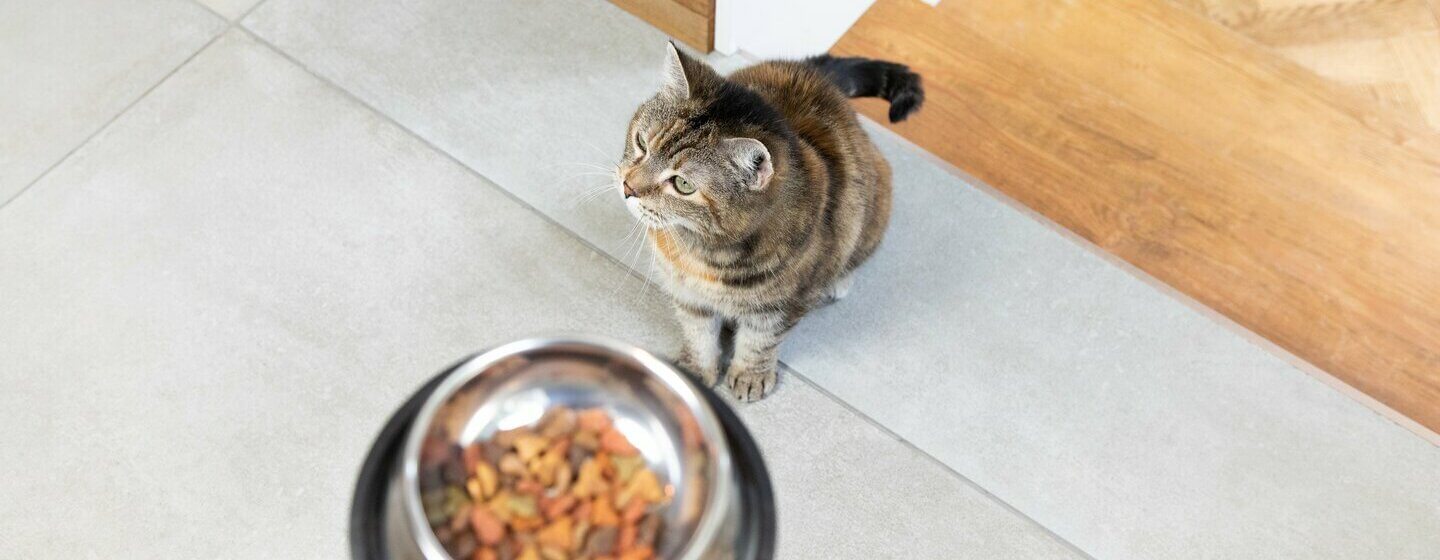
x: 717, y: 502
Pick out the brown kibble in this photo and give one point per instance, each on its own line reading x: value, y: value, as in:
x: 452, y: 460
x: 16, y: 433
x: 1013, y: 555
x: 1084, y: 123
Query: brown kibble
x: 512, y: 465
x: 557, y: 534
x: 593, y: 420
x: 557, y: 422
x: 488, y: 478
x: 613, y: 441
x: 603, y: 514
x: 601, y: 541
x: 530, y: 446
x: 506, y: 439
x: 486, y: 526
x: 648, y: 531
x: 567, y: 488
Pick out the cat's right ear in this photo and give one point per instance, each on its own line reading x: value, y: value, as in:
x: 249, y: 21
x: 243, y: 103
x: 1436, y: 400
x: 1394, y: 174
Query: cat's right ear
x: 676, y: 85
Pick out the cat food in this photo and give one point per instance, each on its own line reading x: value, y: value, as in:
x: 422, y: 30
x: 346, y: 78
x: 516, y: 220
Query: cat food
x: 570, y: 487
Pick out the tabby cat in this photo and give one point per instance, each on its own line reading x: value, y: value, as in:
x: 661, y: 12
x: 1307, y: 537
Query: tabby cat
x: 761, y: 195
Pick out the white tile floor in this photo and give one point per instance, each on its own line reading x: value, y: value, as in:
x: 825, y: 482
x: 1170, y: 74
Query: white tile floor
x: 207, y: 309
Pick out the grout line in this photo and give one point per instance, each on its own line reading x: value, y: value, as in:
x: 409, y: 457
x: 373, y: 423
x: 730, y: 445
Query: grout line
x: 229, y: 25
x: 1224, y: 322
x: 637, y: 274
x: 93, y: 134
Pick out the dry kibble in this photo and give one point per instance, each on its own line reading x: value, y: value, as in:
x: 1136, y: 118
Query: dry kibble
x: 558, y: 421
x: 593, y: 420
x: 613, y: 441
x: 486, y: 526
x: 641, y: 553
x: 569, y: 487
x: 512, y: 465
x: 557, y: 534
x: 601, y: 541
x: 627, y: 537
x: 603, y: 514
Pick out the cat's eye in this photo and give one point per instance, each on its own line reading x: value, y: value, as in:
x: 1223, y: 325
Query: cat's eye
x: 681, y: 185
x: 639, y: 143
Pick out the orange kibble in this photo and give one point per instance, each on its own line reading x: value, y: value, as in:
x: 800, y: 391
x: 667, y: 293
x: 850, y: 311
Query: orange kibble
x: 556, y: 507
x: 529, y: 553
x: 488, y: 528
x: 557, y: 534
x: 638, y: 553
x: 526, y: 524
x: 485, y: 553
x: 613, y: 441
x: 628, y: 533
x: 471, y: 456
x: 603, y: 514
x: 634, y: 511
x: 594, y: 420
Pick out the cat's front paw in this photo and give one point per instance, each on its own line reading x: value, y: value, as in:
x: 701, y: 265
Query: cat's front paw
x: 751, y: 383
x: 706, y: 375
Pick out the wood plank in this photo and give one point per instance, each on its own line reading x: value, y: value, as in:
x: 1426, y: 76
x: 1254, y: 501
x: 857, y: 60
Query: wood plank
x: 1241, y: 179
x: 678, y: 19
x: 1384, y: 49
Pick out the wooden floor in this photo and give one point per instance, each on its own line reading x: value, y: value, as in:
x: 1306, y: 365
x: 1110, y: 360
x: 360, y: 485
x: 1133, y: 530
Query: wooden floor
x: 1302, y: 211
x: 1387, y: 51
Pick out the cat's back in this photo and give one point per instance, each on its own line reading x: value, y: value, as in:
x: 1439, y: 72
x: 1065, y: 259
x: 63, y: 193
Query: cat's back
x: 818, y: 112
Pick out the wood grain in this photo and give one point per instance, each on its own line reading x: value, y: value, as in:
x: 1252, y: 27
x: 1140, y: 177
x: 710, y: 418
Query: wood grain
x: 1385, y: 50
x: 1263, y: 191
x: 690, y: 21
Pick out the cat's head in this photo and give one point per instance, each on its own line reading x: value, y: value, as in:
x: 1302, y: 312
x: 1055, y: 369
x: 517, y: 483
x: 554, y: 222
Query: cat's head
x: 698, y: 154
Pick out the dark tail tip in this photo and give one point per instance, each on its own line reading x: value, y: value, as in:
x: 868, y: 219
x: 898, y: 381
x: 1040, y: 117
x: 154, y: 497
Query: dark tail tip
x: 864, y: 77
x: 905, y: 93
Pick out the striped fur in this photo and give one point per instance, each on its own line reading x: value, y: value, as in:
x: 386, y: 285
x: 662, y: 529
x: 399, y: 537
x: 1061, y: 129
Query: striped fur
x: 789, y: 197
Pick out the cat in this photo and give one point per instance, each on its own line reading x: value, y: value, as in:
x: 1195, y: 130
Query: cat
x: 760, y: 195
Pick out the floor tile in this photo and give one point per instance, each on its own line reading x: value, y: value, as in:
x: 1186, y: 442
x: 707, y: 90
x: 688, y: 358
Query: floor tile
x: 222, y: 297
x: 72, y: 65
x: 1115, y: 415
x: 1119, y: 418
x: 231, y: 9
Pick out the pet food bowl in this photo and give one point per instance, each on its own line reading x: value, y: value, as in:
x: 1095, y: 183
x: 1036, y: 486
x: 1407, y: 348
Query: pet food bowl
x: 722, y: 506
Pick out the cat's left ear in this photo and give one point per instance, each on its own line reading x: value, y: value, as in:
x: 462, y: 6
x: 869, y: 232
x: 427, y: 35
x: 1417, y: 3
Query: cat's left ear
x: 753, y: 160
x: 677, y: 85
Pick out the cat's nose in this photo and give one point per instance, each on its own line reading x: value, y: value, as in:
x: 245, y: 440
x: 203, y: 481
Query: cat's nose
x: 628, y: 191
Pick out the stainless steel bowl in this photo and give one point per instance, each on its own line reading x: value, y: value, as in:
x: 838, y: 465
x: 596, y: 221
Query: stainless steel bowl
x: 721, y: 507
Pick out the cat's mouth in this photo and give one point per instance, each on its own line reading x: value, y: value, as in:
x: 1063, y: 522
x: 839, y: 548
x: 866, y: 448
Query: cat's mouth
x: 648, y: 217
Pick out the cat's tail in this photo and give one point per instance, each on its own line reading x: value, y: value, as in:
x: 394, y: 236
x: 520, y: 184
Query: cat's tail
x: 864, y: 77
